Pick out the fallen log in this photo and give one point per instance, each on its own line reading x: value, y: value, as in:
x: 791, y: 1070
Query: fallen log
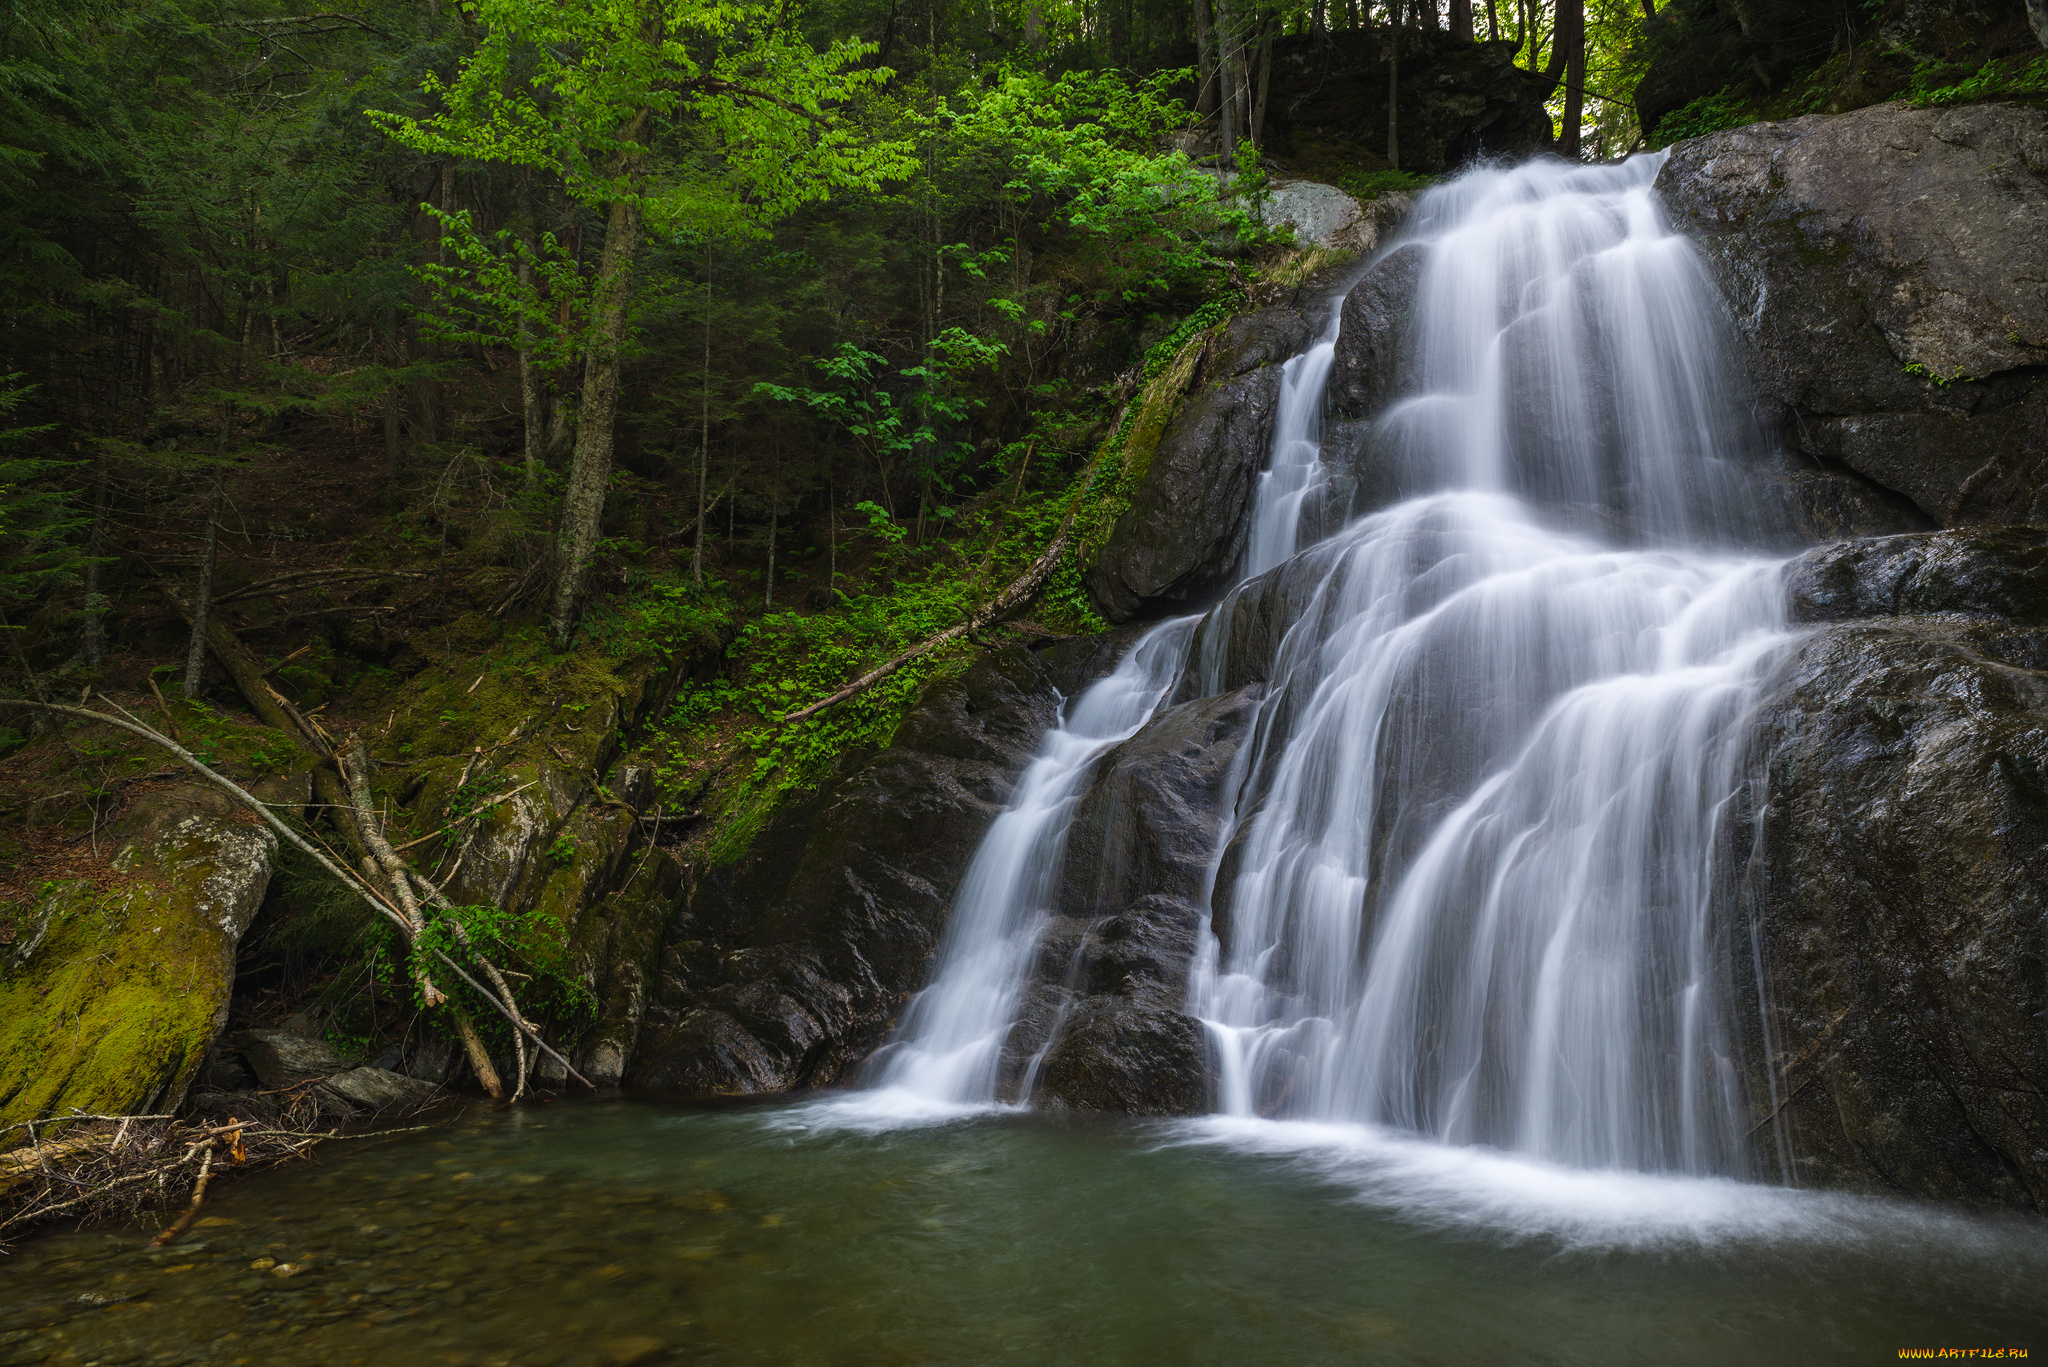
x: 1013, y: 598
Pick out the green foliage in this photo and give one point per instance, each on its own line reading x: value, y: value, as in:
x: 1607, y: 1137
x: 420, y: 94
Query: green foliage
x: 529, y: 942
x: 1708, y: 114
x: 583, y: 89
x: 36, y: 519
x: 2008, y: 78
x: 1386, y: 180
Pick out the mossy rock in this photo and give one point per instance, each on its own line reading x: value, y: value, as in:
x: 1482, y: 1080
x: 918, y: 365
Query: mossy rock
x: 111, y: 995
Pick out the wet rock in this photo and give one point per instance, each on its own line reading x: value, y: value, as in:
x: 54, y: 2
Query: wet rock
x: 839, y: 903
x: 110, y: 1001
x: 281, y: 1057
x: 1995, y: 572
x: 1113, y: 970
x: 1882, y: 273
x: 1367, y: 370
x: 1130, y: 1061
x: 377, y: 1089
x: 1899, y: 877
x: 1176, y: 545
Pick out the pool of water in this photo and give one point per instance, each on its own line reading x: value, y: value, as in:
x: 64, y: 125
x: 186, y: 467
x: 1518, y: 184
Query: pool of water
x: 835, y: 1232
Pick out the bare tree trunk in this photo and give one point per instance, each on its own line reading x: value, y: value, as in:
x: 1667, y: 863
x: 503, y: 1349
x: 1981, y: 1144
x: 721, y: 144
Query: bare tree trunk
x: 1575, y: 77
x: 1205, y: 61
x: 768, y: 583
x: 531, y: 400
x: 95, y: 550
x: 1258, y: 124
x: 1492, y: 21
x: 1318, y: 18
x: 1567, y: 42
x: 1226, y: 127
x: 591, y: 466
x: 704, y: 433
x: 1461, y: 20
x: 1393, y: 83
x: 202, y: 597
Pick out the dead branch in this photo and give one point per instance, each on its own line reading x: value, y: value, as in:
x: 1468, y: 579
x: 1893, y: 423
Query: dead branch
x: 1020, y: 592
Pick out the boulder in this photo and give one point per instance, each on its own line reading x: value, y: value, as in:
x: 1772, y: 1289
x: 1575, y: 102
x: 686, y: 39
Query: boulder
x: 280, y: 1058
x: 113, y: 994
x: 1897, y: 831
x: 1112, y: 975
x: 786, y: 967
x: 1129, y: 1061
x: 1882, y: 270
x: 1458, y: 101
x: 376, y: 1089
x: 1181, y: 537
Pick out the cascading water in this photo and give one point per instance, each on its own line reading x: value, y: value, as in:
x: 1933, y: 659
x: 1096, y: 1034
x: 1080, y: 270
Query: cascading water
x: 1467, y: 884
x: 950, y: 1047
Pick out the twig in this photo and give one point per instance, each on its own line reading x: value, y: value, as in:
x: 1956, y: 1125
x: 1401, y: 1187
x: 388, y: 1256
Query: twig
x: 184, y: 1222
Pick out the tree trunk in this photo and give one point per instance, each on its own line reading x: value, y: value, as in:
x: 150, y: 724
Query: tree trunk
x: 1567, y: 43
x: 1393, y: 83
x: 1461, y: 20
x: 202, y: 597
x: 532, y: 403
x: 95, y: 550
x: 1205, y: 59
x: 768, y: 583
x: 1258, y: 124
x: 1492, y: 21
x: 1226, y: 91
x: 1574, y: 81
x: 591, y: 466
x: 704, y: 433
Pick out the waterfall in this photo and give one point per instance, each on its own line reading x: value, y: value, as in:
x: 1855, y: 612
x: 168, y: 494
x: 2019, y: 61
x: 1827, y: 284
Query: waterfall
x: 949, y: 1049
x: 1467, y: 886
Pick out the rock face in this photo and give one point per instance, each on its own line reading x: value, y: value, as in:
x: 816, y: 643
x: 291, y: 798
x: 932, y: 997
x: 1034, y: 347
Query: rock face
x: 1884, y: 272
x: 1112, y: 976
x: 113, y: 994
x: 1457, y: 100
x: 839, y: 903
x: 1185, y: 529
x: 1899, y: 877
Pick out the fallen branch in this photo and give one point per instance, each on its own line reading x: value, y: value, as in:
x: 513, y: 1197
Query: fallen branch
x: 354, y: 882
x: 1020, y: 592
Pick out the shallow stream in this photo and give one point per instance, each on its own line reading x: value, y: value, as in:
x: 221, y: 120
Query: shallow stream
x: 833, y: 1232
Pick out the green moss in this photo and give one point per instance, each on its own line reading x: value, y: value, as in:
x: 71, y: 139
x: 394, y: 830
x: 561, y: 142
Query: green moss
x: 108, y: 1002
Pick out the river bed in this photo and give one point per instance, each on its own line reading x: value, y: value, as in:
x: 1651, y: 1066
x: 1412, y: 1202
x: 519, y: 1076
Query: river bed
x: 838, y: 1232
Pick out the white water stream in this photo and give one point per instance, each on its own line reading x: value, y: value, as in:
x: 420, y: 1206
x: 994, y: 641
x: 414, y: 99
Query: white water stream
x: 1467, y: 888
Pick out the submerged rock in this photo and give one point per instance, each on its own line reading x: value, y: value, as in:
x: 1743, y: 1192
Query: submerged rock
x: 1882, y: 270
x: 1899, y: 877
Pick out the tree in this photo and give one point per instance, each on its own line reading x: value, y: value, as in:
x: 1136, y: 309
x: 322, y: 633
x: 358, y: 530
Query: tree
x: 666, y: 115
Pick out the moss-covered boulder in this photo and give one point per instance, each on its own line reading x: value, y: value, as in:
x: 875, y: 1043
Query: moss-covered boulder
x: 115, y: 988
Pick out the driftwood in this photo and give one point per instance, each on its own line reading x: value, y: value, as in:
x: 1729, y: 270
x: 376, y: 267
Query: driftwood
x: 119, y: 1165
x: 1013, y: 598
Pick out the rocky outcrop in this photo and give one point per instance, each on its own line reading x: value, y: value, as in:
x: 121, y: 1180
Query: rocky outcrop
x: 115, y: 990
x: 1696, y: 48
x: 1897, y: 829
x: 1176, y: 545
x: 787, y: 967
x: 1112, y: 976
x: 1457, y: 100
x: 1884, y: 272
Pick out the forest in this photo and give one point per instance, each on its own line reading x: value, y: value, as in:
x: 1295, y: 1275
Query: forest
x: 520, y: 520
